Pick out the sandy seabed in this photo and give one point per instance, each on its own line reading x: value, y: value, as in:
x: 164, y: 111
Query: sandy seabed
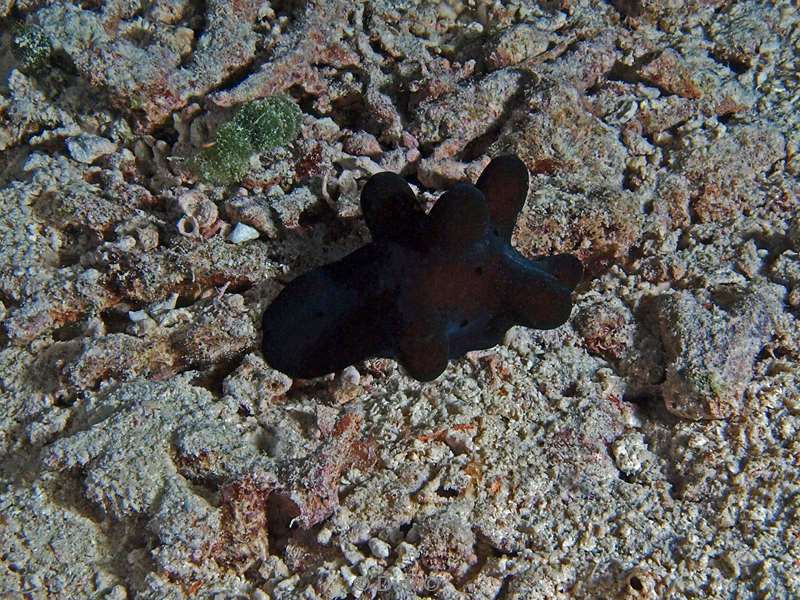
x: 648, y: 448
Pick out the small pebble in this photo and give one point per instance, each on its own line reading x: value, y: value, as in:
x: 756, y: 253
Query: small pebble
x: 88, y: 148
x: 379, y: 548
x: 138, y: 315
x: 348, y: 575
x: 288, y: 583
x: 346, y: 386
x: 351, y: 553
x: 406, y: 554
x: 324, y: 536
x: 148, y: 237
x: 118, y: 592
x: 366, y: 565
x: 242, y: 233
x: 125, y: 244
x: 141, y: 328
x: 90, y: 276
x: 362, y: 143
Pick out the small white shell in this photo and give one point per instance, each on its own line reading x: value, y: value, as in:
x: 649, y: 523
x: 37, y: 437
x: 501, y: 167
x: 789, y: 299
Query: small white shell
x: 243, y: 233
x: 188, y: 226
x: 196, y: 204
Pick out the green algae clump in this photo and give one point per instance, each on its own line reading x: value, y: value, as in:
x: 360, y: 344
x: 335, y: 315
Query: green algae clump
x: 256, y: 127
x: 228, y: 159
x: 31, y: 47
x: 273, y: 121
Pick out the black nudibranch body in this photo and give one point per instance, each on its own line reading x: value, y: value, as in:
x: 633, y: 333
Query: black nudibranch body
x: 428, y: 288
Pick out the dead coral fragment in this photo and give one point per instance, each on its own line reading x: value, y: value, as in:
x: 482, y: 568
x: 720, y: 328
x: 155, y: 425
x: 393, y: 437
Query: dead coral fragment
x: 446, y: 543
x: 137, y: 423
x: 256, y: 127
x: 711, y: 344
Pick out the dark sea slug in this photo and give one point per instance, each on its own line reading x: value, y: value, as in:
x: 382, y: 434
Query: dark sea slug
x: 428, y: 288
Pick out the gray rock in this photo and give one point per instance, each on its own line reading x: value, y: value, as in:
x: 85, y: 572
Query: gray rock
x: 711, y: 342
x: 88, y: 148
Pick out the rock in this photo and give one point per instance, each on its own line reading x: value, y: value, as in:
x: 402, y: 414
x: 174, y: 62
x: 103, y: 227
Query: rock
x: 711, y: 342
x: 668, y: 72
x: 361, y: 143
x: 291, y: 206
x: 517, y: 44
x: 254, y: 384
x: 88, y: 148
x: 446, y: 542
x: 379, y: 548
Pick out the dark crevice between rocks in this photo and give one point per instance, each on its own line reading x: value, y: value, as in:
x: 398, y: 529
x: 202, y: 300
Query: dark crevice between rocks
x: 281, y: 512
x: 404, y: 528
x: 208, y: 492
x: 8, y: 301
x: 502, y: 593
x: 76, y: 243
x: 195, y: 19
x: 237, y: 76
x: 630, y: 73
x: 631, y: 181
x: 728, y: 118
x: 78, y: 240
x: 9, y: 305
x: 212, y: 377
x: 446, y: 492
x: 69, y: 331
x: 628, y: 8
x: 305, y: 100
x: 94, y: 6
x: 731, y: 62
x: 11, y: 162
x: 626, y: 477
x: 292, y: 9
x: 116, y: 319
x: 296, y: 546
x: 253, y: 575
x: 484, y: 550
x: 473, y: 47
x: 167, y: 133
x: 651, y: 404
x: 321, y: 213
